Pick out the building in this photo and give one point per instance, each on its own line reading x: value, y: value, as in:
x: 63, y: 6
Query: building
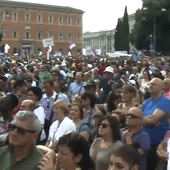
x: 103, y: 40
x: 24, y: 25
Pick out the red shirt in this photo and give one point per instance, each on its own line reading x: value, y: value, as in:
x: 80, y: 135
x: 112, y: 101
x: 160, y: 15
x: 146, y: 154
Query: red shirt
x: 101, y: 70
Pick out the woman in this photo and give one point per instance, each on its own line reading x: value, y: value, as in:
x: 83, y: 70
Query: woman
x: 35, y: 94
x: 125, y: 158
x: 128, y: 94
x: 61, y: 125
x: 73, y: 154
x: 77, y: 115
x: 103, y: 146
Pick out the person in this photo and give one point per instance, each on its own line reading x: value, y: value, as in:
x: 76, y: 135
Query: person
x: 126, y: 158
x: 77, y: 115
x: 73, y: 153
x: 155, y: 109
x: 166, y: 87
x: 135, y: 132
x: 61, y: 125
x: 21, y: 153
x: 103, y: 146
x: 28, y: 105
x: 77, y: 86
x: 128, y: 94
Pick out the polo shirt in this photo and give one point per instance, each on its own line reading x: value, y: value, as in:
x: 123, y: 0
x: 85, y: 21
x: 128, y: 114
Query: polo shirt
x: 157, y: 133
x: 30, y: 162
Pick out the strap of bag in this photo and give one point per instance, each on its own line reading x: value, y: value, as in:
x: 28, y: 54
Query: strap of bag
x: 52, y: 113
x: 80, y: 88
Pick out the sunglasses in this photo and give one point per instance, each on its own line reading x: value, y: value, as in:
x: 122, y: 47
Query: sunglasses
x: 103, y: 125
x: 132, y: 116
x: 21, y: 131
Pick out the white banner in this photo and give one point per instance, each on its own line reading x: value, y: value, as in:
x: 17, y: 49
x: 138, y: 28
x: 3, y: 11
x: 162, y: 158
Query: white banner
x: 6, y: 48
x: 48, y: 42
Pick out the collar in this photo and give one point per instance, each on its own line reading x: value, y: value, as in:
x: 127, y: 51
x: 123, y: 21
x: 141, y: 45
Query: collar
x: 52, y: 97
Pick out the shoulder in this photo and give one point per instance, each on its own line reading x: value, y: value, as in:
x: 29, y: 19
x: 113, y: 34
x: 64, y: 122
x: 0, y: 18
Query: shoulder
x: 54, y: 124
x: 4, y: 150
x: 96, y: 142
x: 67, y: 122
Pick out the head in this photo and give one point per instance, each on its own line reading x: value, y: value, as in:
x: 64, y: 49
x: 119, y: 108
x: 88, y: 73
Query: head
x: 29, y: 81
x: 57, y: 86
x: 135, y: 70
x: 125, y: 158
x: 73, y: 152
x: 146, y: 74
x: 90, y: 87
x: 108, y: 73
x: 34, y: 94
x: 128, y: 92
x: 56, y: 76
x: 88, y: 99
x: 134, y: 117
x: 24, y: 129
x: 166, y: 84
x: 60, y: 109
x: 76, y: 111
x: 155, y: 86
x: 109, y: 125
x: 76, y: 99
x: 28, y: 105
x: 20, y: 85
x: 48, y: 86
x: 79, y: 77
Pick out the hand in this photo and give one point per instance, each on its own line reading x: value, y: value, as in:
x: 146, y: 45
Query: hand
x: 46, y: 163
x: 161, y: 153
x: 127, y: 135
x: 157, y: 124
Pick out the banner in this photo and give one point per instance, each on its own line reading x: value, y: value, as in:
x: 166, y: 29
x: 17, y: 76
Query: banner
x: 48, y: 42
x: 72, y: 45
x: 26, y: 45
x: 6, y: 48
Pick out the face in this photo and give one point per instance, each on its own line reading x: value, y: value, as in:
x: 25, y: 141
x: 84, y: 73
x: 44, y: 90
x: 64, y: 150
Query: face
x: 78, y: 77
x: 55, y: 76
x: 66, y: 159
x: 154, y: 87
x: 17, y: 139
x: 56, y: 87
x: 126, y: 96
x: 12, y: 83
x: 24, y: 106
x: 85, y: 101
x: 145, y: 74
x: 107, y: 75
x: 47, y: 88
x: 117, y: 163
x: 31, y: 96
x: 58, y: 112
x: 75, y: 112
x: 166, y: 84
x: 104, y: 128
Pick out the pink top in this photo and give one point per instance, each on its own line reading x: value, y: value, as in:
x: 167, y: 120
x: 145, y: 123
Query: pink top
x: 167, y: 94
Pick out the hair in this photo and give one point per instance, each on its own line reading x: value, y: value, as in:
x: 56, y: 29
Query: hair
x: 37, y: 92
x: 63, y: 105
x: 91, y: 97
x: 13, y: 100
x: 29, y: 79
x: 27, y: 115
x: 147, y: 71
x: 114, y: 125
x: 19, y: 83
x: 129, y: 153
x: 80, y: 109
x: 49, y: 81
x: 78, y: 145
x: 130, y: 88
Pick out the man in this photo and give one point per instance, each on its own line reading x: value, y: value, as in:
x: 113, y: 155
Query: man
x: 27, y: 105
x: 166, y: 87
x: 77, y: 86
x: 135, y: 132
x: 155, y: 109
x: 21, y: 153
x: 90, y: 87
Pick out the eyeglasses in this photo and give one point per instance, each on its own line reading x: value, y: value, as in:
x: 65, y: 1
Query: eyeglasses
x: 103, y: 125
x: 132, y: 116
x: 20, y: 130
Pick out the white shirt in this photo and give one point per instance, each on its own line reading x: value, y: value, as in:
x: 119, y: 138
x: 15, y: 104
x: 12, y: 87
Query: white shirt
x: 39, y: 112
x: 57, y: 130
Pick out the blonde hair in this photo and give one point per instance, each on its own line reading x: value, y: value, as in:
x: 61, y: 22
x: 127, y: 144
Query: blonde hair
x: 63, y: 105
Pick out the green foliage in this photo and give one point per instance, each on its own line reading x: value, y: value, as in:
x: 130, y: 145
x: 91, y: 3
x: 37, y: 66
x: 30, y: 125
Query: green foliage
x: 144, y: 26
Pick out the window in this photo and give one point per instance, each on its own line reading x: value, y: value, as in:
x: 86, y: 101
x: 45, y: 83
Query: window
x: 69, y: 36
x: 15, y: 34
x: 1, y: 15
x: 50, y: 19
x: 39, y: 18
x: 60, y: 20
x: 69, y: 20
x: 78, y: 21
x: 27, y: 17
x: 15, y: 50
x: 60, y: 36
x: 27, y: 34
x: 50, y: 34
x: 15, y: 16
x: 78, y: 37
x: 39, y: 35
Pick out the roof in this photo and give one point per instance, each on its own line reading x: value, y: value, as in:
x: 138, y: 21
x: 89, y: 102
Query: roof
x: 36, y: 6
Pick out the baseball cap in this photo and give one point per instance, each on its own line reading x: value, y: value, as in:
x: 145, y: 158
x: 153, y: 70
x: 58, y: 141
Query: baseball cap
x: 108, y: 69
x: 90, y: 83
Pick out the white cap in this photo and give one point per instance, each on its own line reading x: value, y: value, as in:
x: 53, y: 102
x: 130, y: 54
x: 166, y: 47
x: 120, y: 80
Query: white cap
x: 109, y: 69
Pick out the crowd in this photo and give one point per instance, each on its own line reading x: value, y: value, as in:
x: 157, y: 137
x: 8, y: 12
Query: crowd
x: 84, y: 113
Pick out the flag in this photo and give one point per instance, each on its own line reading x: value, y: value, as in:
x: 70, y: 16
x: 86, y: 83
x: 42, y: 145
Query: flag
x: 72, y: 45
x: 6, y: 48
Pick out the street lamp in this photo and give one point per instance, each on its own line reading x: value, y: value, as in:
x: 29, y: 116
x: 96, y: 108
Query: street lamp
x: 154, y: 28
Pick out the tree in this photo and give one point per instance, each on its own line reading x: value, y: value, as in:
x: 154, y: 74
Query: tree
x: 119, y: 36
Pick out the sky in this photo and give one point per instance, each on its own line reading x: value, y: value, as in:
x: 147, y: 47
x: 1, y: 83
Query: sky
x: 98, y: 14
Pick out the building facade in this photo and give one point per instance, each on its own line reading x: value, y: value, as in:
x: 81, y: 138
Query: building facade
x: 24, y: 25
x: 103, y: 40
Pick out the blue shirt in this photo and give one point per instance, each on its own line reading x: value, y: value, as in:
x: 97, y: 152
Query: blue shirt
x: 157, y: 133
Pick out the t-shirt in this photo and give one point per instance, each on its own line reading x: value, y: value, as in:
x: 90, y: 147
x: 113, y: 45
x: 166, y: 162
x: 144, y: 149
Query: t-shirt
x: 157, y: 133
x: 57, y: 130
x: 82, y: 127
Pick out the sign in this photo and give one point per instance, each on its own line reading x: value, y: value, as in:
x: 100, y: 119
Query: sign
x: 48, y: 42
x: 26, y: 45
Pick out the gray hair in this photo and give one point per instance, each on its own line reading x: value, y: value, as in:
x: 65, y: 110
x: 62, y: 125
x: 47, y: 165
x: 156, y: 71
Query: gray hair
x: 27, y: 115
